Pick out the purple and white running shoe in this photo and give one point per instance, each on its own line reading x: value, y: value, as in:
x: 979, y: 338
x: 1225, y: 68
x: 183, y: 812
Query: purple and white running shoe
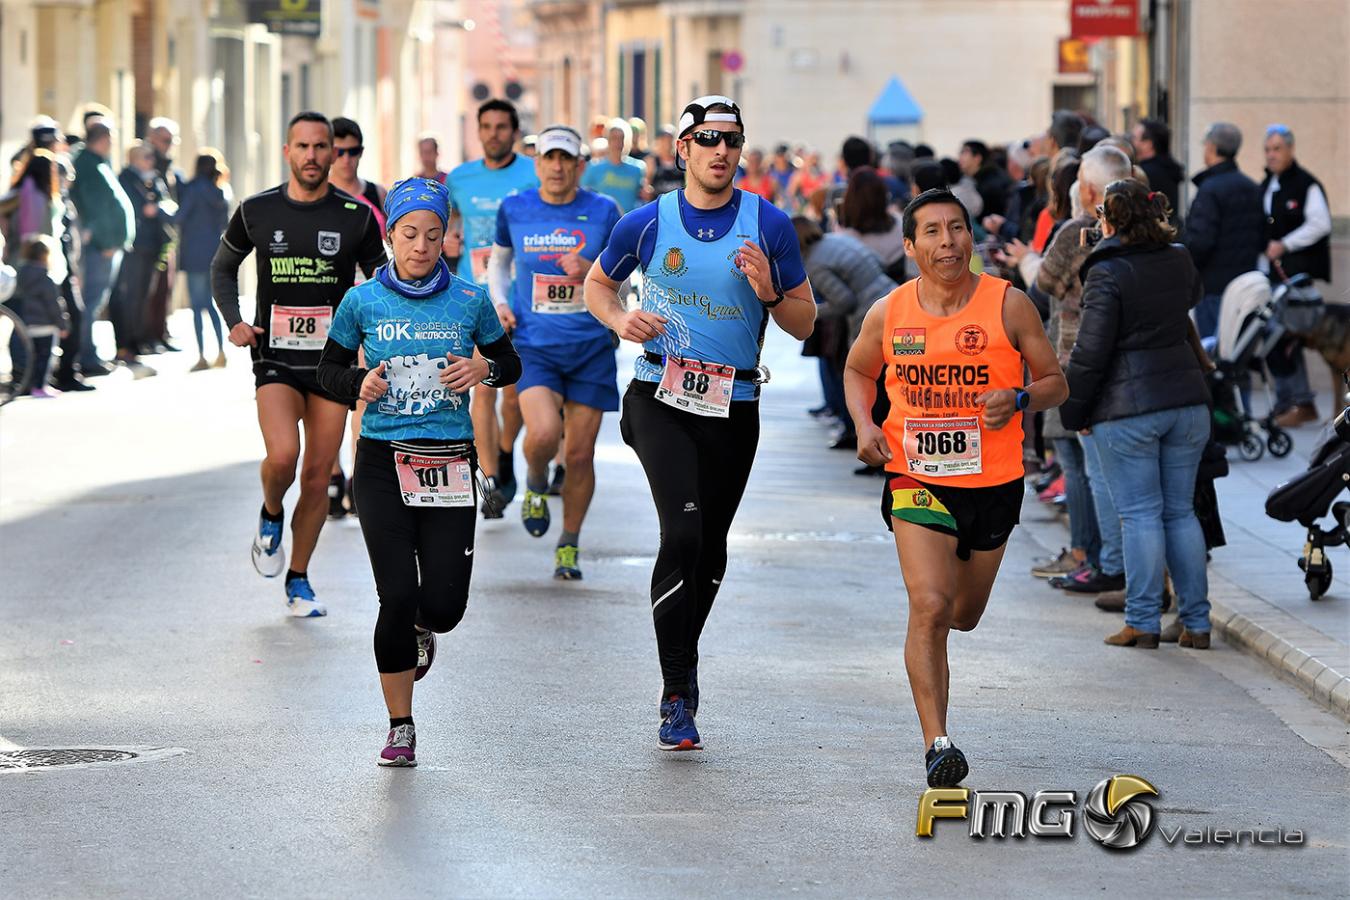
x: 400, y: 749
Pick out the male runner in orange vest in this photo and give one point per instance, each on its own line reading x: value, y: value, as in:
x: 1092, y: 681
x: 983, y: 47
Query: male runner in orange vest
x: 954, y: 347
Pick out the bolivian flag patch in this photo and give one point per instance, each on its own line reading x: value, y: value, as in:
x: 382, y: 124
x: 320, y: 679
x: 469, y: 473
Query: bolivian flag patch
x: 913, y: 502
x: 907, y: 342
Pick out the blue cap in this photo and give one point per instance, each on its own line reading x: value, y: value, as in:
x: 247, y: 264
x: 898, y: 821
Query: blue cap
x: 417, y: 193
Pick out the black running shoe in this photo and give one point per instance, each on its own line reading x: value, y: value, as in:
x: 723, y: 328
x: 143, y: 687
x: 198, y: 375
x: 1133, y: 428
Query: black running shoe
x: 555, y: 487
x: 337, y: 488
x: 946, y: 767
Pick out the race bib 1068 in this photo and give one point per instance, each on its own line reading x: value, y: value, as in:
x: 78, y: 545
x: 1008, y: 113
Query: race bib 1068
x: 935, y: 448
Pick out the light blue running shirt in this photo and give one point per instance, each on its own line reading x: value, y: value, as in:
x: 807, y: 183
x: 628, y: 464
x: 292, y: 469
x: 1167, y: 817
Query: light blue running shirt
x: 622, y: 181
x: 412, y: 338
x: 475, y: 192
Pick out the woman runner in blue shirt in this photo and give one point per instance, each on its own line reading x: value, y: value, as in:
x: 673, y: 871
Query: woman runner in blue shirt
x: 418, y: 325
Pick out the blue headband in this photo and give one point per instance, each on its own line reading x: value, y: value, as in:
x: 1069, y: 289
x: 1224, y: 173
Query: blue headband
x: 413, y: 194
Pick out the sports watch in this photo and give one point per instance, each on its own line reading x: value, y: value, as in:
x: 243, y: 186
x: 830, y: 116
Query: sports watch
x: 1021, y: 398
x: 776, y: 300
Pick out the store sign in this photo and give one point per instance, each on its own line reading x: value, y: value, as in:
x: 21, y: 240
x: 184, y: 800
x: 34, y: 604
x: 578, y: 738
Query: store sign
x: 287, y: 16
x: 1103, y: 18
x: 1073, y: 57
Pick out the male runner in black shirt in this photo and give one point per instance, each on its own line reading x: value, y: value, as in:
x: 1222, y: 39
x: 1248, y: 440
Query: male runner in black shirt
x: 309, y: 238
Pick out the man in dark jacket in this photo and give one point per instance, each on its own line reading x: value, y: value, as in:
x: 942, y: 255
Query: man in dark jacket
x: 130, y: 300
x: 1225, y: 229
x: 993, y: 183
x: 1298, y: 235
x: 1152, y: 141
x: 109, y: 224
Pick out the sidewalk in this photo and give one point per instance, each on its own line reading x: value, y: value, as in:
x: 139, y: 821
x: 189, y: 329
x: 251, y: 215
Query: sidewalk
x: 1258, y: 599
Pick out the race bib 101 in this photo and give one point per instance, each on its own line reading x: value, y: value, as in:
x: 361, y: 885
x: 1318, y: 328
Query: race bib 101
x: 427, y: 480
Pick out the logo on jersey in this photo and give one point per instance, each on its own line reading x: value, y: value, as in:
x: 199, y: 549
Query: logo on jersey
x: 329, y: 242
x: 278, y: 244
x: 706, y: 234
x: 673, y: 263
x: 735, y: 269
x: 971, y: 340
x: 555, y: 243
x: 907, y: 342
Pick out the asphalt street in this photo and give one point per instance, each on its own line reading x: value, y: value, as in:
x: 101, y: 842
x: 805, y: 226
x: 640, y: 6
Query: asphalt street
x: 131, y: 617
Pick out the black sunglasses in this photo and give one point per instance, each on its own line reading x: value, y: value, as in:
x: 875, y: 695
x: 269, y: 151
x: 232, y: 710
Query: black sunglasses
x: 350, y: 151
x: 710, y: 138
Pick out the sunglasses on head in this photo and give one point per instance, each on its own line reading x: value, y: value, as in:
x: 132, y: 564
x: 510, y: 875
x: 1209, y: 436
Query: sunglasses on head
x: 710, y: 138
x: 354, y: 152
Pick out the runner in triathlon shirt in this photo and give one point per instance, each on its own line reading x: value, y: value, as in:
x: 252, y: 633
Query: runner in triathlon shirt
x: 419, y: 326
x: 954, y: 348
x: 618, y: 175
x: 309, y: 238
x: 476, y: 190
x: 348, y: 147
x: 718, y: 263
x: 554, y: 235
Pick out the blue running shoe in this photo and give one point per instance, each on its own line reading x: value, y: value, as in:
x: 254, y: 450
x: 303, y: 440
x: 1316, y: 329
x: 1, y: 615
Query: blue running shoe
x: 269, y: 557
x: 300, y: 600
x: 946, y: 766
x: 534, y: 513
x: 690, y: 701
x: 677, y: 730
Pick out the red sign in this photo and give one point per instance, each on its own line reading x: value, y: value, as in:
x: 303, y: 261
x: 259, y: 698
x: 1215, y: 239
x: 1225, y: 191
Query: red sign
x: 1103, y: 18
x: 732, y: 61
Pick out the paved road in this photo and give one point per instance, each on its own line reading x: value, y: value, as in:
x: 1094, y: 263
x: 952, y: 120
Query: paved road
x: 130, y: 616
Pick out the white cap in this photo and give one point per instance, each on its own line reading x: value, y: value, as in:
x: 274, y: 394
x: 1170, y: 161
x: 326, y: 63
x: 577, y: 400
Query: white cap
x: 559, y: 137
x: 696, y: 113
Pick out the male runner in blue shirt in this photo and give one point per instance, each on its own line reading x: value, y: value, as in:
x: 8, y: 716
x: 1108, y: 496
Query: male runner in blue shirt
x: 718, y: 263
x: 477, y: 188
x: 554, y: 234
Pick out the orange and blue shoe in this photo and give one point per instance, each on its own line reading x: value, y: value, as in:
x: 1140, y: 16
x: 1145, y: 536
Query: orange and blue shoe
x: 677, y: 729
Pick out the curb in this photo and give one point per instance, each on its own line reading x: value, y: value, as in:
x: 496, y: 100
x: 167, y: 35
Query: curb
x: 1297, y: 652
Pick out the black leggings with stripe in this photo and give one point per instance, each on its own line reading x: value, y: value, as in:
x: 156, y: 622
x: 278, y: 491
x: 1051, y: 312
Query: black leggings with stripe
x: 697, y: 467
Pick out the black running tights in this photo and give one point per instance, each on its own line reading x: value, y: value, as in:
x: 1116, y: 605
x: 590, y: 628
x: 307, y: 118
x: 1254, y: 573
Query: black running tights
x: 697, y: 467
x: 422, y: 558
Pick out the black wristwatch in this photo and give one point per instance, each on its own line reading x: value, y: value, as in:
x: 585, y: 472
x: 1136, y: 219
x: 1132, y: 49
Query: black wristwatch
x: 1021, y: 398
x: 494, y: 371
x: 775, y: 301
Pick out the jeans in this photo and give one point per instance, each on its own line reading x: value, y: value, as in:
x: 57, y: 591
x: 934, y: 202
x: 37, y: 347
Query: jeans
x: 832, y: 386
x: 199, y: 295
x: 1293, y: 389
x: 1207, y: 315
x: 100, y: 274
x: 1111, y: 559
x: 1153, y: 459
x: 1083, y: 531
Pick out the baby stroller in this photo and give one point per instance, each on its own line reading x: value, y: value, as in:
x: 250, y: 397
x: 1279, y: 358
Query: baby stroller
x: 1306, y: 498
x: 1253, y: 320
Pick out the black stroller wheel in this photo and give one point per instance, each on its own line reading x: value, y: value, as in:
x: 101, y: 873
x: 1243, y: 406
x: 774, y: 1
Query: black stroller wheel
x: 1319, y: 582
x: 1251, y: 448
x: 1279, y: 443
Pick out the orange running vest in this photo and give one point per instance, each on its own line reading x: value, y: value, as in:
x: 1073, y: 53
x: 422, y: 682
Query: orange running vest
x: 935, y: 368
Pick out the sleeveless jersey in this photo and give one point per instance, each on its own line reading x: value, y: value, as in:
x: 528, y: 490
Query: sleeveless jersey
x: 935, y: 368
x: 712, y: 311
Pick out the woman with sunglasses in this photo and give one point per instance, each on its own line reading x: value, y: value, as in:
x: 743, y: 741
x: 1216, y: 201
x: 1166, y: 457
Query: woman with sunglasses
x: 418, y: 327
x: 717, y: 263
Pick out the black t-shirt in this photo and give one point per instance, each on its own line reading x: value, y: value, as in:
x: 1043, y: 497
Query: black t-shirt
x: 307, y: 256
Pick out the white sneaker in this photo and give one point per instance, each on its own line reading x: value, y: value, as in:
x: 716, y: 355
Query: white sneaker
x: 300, y: 600
x: 269, y: 556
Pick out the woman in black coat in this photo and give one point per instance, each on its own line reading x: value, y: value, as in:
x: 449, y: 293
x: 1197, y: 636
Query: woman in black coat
x: 203, y: 213
x: 1136, y: 385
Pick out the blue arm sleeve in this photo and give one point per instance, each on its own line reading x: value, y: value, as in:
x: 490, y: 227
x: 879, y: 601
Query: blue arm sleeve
x: 779, y: 240
x: 346, y: 330
x: 624, y: 250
